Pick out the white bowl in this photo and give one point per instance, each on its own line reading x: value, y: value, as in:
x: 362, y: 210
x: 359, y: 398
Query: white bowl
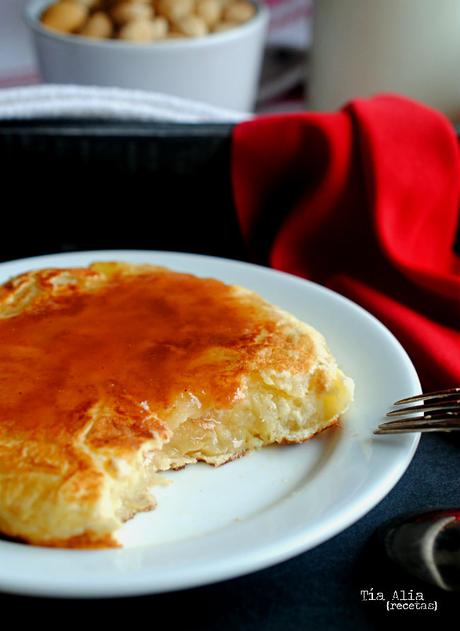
x: 221, y: 69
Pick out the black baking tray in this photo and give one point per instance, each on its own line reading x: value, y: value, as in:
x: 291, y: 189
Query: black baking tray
x: 82, y: 185
x: 95, y: 184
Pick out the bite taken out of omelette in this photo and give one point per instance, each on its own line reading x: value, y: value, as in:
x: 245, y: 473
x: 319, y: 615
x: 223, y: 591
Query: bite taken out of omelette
x: 112, y: 373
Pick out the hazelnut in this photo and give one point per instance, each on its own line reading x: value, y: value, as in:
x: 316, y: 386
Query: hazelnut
x: 239, y: 11
x: 191, y: 26
x: 98, y: 26
x: 65, y: 17
x: 138, y: 31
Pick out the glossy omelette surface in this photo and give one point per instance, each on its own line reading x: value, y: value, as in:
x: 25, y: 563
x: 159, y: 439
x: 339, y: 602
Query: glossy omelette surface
x: 136, y: 343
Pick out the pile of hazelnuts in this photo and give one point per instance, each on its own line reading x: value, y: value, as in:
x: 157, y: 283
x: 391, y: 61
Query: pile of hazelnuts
x: 146, y: 20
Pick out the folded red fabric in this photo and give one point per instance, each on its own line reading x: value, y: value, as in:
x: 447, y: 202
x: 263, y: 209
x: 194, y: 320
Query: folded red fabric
x: 366, y: 202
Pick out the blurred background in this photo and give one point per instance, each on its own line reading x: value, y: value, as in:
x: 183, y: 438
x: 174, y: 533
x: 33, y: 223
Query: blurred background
x: 281, y: 86
x: 135, y: 165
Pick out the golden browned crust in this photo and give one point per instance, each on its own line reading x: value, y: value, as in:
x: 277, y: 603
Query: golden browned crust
x: 86, y: 541
x: 287, y: 441
x: 115, y: 371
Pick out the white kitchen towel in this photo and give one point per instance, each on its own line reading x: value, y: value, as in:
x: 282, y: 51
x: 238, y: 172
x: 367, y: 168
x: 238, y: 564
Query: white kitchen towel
x: 69, y: 101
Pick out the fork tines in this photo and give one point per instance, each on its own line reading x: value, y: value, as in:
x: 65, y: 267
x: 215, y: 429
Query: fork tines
x: 440, y: 411
x: 427, y: 396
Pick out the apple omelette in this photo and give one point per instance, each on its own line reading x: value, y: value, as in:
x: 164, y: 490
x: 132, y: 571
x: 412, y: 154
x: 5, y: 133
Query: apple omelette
x: 112, y: 373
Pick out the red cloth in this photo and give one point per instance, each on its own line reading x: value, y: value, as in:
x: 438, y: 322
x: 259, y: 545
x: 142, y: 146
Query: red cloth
x: 365, y: 201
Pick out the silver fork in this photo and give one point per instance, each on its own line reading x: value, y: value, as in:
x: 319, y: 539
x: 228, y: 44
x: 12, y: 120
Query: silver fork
x: 439, y: 412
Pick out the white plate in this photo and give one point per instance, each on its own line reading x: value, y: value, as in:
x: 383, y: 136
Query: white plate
x: 213, y: 524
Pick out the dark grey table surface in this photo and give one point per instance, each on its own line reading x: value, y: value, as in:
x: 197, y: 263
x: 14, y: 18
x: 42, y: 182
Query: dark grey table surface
x: 320, y: 589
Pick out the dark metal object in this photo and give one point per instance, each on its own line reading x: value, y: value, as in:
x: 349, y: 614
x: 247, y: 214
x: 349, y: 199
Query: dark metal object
x: 442, y: 413
x: 427, y: 546
x: 83, y: 185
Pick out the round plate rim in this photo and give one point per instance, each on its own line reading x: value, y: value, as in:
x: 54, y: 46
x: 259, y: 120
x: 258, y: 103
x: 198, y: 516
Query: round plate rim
x: 290, y: 547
